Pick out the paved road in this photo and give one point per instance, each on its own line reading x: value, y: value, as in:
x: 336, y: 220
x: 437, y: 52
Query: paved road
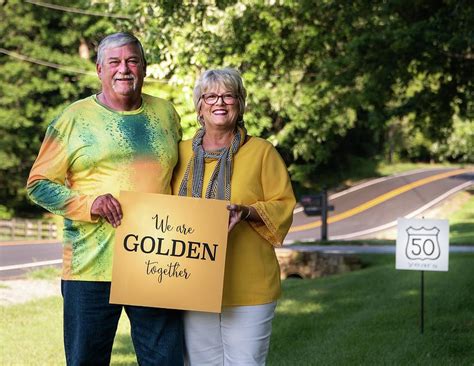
x: 366, y: 249
x: 365, y: 208
x: 376, y: 205
x: 17, y: 259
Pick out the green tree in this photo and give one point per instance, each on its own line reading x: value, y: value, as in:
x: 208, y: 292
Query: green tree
x: 328, y: 81
x: 33, y: 93
x: 334, y: 84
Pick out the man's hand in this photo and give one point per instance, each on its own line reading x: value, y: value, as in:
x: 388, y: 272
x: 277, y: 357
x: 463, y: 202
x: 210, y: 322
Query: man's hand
x: 108, y: 207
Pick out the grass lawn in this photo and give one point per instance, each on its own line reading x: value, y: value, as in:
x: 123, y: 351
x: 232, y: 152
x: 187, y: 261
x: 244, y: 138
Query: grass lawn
x: 368, y: 317
x: 371, y: 317
x: 31, y: 334
x: 362, y: 169
x: 44, y: 273
x: 385, y: 169
x: 461, y: 224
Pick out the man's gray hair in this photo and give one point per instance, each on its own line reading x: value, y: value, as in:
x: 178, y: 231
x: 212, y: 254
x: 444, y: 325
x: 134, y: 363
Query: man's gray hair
x: 228, y: 78
x: 118, y: 40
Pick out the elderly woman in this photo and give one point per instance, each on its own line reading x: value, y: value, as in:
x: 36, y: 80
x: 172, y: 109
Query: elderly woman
x: 223, y: 162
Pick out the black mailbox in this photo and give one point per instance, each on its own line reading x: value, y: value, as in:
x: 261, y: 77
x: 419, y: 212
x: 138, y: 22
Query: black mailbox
x: 312, y: 204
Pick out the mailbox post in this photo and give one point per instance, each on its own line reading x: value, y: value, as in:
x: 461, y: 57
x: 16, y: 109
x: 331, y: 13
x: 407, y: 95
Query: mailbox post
x: 317, y: 205
x: 324, y: 215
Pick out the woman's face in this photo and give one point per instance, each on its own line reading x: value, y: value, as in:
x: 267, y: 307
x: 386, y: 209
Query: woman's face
x: 219, y: 109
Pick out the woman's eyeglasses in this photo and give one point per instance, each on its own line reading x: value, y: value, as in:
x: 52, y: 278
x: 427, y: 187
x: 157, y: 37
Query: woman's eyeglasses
x: 212, y: 98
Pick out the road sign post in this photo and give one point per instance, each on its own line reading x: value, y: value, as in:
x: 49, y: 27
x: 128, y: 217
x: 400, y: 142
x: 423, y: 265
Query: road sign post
x: 422, y: 302
x: 422, y: 245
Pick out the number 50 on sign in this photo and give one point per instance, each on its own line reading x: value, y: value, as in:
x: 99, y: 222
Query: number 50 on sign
x: 422, y: 245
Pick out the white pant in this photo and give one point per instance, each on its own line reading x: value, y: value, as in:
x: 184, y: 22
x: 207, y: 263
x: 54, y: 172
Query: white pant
x: 240, y: 335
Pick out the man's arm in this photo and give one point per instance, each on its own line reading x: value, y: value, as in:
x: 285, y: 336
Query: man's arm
x: 47, y: 186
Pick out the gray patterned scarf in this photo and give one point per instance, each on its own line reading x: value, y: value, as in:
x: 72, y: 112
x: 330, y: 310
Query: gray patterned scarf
x: 219, y: 184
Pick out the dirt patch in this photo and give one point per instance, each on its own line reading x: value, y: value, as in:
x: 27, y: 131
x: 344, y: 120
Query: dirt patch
x: 20, y: 291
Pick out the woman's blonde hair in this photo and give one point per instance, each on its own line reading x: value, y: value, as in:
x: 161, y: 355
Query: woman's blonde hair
x: 228, y: 78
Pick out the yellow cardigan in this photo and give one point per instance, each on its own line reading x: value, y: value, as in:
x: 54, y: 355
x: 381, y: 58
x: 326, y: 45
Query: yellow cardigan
x: 259, y: 179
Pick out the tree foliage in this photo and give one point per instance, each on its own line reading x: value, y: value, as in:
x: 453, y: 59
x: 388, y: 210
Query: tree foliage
x: 333, y: 84
x: 329, y: 82
x: 33, y: 94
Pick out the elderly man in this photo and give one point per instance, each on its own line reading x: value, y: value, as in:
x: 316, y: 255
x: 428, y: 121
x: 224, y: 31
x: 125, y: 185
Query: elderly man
x: 118, y: 139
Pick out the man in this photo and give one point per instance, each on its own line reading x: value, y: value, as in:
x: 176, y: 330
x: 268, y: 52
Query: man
x: 118, y: 139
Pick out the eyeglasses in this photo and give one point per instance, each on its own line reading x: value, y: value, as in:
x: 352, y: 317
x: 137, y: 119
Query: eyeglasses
x: 212, y: 98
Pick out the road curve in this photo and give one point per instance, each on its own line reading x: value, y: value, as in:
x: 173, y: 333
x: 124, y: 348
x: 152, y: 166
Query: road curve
x: 359, y: 211
x: 18, y: 258
x: 375, y: 205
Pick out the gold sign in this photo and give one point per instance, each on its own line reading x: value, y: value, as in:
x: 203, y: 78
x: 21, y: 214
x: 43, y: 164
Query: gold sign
x: 170, y: 252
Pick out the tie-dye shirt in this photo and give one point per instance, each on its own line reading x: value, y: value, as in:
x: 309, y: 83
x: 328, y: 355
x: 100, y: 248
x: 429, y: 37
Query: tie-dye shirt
x: 91, y: 150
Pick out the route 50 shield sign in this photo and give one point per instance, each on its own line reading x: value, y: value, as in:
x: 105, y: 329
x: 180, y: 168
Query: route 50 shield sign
x: 422, y: 245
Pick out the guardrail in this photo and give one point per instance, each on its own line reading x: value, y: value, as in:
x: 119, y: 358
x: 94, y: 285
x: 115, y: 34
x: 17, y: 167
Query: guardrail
x: 15, y: 229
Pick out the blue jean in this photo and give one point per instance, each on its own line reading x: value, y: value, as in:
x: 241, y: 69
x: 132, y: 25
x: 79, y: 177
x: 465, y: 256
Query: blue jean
x: 90, y: 324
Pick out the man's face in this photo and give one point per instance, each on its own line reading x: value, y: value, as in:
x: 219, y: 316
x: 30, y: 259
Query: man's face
x: 122, y: 72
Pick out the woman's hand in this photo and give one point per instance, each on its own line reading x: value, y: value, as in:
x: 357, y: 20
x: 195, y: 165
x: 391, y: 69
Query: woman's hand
x: 237, y: 214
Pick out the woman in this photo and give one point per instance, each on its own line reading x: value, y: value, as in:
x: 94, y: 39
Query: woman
x: 223, y: 162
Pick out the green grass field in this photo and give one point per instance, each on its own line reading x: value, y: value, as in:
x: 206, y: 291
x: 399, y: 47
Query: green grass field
x: 385, y: 169
x: 461, y: 224
x: 372, y: 316
x: 367, y: 317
